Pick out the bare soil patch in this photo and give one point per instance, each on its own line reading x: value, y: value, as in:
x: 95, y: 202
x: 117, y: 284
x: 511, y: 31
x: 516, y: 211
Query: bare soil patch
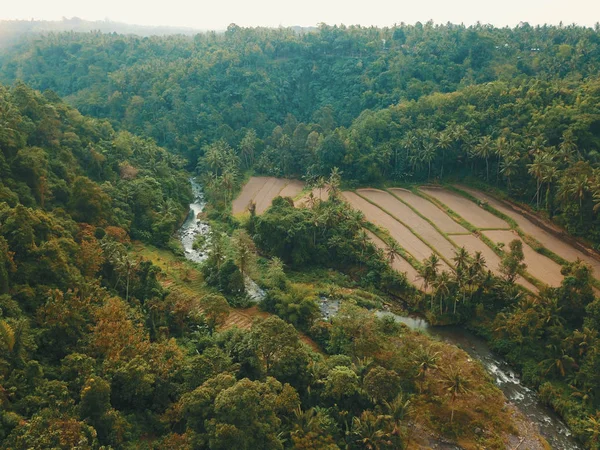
x: 538, y: 266
x: 471, y: 212
x: 249, y: 191
x: 442, y: 220
x: 292, y: 189
x: 268, y: 192
x: 474, y: 244
x: 400, y: 264
x: 549, y: 240
x: 412, y: 244
x: 411, y: 219
x: 262, y: 190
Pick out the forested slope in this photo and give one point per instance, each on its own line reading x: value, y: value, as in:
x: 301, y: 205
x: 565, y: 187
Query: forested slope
x: 515, y: 109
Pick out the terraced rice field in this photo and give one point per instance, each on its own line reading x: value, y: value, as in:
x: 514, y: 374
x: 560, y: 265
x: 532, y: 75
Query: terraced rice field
x: 465, y: 208
x: 538, y: 265
x: 547, y: 239
x: 474, y: 244
x: 411, y: 243
x: 262, y: 191
x: 400, y: 264
x: 412, y: 220
x: 430, y: 211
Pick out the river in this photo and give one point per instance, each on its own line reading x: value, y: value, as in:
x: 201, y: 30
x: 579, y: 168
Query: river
x: 193, y: 227
x: 551, y: 427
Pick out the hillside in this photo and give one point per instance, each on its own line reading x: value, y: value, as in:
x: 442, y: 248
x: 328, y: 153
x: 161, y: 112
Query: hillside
x: 328, y: 159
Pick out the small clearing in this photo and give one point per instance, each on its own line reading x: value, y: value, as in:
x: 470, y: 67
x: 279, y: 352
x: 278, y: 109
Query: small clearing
x: 538, y: 265
x: 262, y: 191
x: 474, y: 244
x: 442, y: 220
x: 407, y: 240
x: 465, y: 208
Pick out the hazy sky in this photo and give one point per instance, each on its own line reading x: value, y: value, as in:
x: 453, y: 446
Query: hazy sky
x: 217, y: 14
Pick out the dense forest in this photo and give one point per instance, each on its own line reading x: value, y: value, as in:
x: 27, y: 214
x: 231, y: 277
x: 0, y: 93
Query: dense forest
x: 101, y: 348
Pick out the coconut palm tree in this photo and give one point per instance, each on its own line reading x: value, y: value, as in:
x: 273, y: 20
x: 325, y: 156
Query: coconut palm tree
x: 392, y: 252
x: 484, y: 149
x: 540, y: 169
x: 429, y: 272
x: 456, y: 384
x: 444, y: 142
x: 425, y: 359
x: 442, y: 285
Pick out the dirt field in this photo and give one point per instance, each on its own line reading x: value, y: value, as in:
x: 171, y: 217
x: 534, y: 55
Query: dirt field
x: 411, y: 219
x: 473, y: 244
x: 538, y: 266
x: 471, y: 212
x: 262, y: 190
x: 429, y: 210
x: 249, y: 191
x: 548, y: 240
x: 412, y: 244
x: 400, y: 264
x: 293, y: 188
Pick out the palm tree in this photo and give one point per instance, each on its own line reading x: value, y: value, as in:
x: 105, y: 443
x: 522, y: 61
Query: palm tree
x: 444, y: 142
x: 592, y: 426
x: 429, y: 272
x: 539, y: 168
x: 333, y: 184
x: 509, y: 166
x: 370, y: 432
x: 461, y: 259
x: 456, y: 384
x: 442, y: 286
x: 393, y: 251
x: 228, y: 182
x: 363, y: 241
x: 484, y: 150
x: 428, y: 155
x: 425, y: 359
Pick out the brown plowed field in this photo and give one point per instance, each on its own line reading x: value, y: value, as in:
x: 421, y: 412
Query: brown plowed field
x: 407, y: 240
x: 538, y: 266
x: 442, y: 220
x: 465, y: 208
x: 474, y: 244
x: 249, y: 191
x: 411, y: 219
x: 268, y: 192
x: 293, y: 188
x: 400, y: 264
x: 262, y: 190
x: 548, y: 240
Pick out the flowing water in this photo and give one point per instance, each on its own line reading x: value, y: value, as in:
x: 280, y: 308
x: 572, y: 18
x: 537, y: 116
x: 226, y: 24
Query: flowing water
x: 526, y: 400
x: 193, y: 227
x: 551, y: 427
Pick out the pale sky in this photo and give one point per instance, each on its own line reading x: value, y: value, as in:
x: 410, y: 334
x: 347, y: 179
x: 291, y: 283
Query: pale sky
x: 217, y: 14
